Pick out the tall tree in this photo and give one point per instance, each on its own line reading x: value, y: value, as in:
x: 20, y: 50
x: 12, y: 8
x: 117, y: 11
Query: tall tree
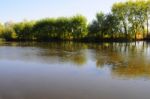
x: 97, y: 26
x: 121, y: 11
x: 79, y: 26
x: 111, y: 25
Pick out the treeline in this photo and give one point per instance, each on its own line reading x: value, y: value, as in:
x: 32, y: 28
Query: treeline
x: 127, y: 21
x: 73, y: 28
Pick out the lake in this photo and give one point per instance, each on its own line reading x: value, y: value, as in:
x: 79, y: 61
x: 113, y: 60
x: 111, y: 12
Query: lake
x: 70, y: 70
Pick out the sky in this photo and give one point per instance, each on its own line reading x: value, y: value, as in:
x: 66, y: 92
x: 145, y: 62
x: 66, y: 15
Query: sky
x: 18, y: 10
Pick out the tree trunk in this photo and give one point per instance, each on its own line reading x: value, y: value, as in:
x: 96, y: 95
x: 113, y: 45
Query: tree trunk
x: 147, y: 26
x: 125, y: 29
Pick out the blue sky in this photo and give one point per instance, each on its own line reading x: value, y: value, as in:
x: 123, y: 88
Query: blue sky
x: 18, y: 10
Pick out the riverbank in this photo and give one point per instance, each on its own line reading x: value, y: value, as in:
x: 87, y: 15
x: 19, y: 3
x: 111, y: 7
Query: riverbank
x: 81, y: 40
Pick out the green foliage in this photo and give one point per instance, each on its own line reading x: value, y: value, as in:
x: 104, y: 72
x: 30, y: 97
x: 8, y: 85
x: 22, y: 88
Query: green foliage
x: 44, y: 29
x: 111, y: 25
x: 133, y: 15
x: 61, y: 28
x: 8, y: 34
x: 104, y: 26
x: 78, y: 26
x: 23, y: 31
x: 127, y: 21
x: 97, y: 26
x: 1, y: 29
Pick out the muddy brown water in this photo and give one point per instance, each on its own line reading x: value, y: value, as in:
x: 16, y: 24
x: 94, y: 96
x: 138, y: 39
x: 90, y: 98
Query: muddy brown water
x: 74, y: 70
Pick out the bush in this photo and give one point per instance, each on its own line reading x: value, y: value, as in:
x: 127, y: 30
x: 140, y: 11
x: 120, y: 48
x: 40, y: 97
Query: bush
x: 8, y: 34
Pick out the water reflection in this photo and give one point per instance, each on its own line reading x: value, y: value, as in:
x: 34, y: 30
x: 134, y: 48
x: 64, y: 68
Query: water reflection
x: 74, y: 70
x: 130, y: 60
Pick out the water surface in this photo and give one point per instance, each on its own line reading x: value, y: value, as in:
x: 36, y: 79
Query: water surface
x: 74, y: 70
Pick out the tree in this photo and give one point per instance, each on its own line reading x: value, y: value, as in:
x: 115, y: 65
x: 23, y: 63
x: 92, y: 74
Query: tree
x: 96, y: 27
x: 79, y: 27
x: 111, y: 25
x: 147, y: 10
x: 1, y: 29
x: 62, y: 25
x: 133, y: 15
x: 137, y: 17
x: 120, y: 10
x: 8, y: 34
x: 24, y: 31
x: 45, y: 29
